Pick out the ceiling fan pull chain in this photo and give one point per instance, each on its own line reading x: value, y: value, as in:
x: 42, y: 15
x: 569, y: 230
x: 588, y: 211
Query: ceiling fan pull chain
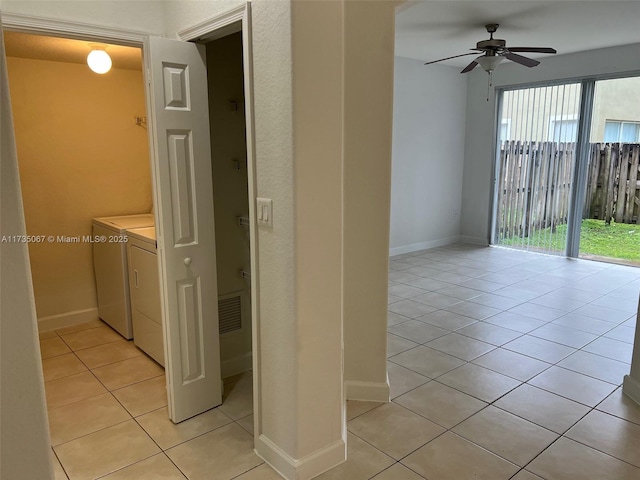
x: 489, y: 83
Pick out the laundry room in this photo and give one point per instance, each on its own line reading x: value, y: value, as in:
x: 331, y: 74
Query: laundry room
x: 83, y: 153
x: 84, y: 161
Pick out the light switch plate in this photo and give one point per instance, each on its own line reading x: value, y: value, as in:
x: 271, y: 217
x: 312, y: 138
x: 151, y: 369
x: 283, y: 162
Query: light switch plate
x: 264, y: 212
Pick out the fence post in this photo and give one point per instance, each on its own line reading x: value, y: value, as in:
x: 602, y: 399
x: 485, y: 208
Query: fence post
x: 632, y: 199
x: 623, y: 188
x: 606, y: 197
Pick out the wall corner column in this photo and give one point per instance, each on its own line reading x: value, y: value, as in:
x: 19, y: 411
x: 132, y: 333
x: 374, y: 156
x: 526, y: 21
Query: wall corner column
x: 302, y: 430
x: 369, y: 72
x: 631, y: 385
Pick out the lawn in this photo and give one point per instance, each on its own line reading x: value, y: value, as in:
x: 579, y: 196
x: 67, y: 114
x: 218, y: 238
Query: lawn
x: 617, y: 240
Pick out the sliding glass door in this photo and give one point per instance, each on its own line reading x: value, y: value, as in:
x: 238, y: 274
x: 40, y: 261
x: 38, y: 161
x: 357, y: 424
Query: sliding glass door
x: 567, y: 169
x: 535, y: 166
x: 609, y: 229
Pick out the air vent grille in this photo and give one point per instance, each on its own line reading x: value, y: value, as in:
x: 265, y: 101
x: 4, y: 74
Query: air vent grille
x: 230, y: 314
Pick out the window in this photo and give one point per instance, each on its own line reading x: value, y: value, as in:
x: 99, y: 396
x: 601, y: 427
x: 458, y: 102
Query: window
x: 619, y: 131
x: 565, y: 130
x: 505, y: 130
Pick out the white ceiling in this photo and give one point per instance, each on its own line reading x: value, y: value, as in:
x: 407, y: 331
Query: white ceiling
x: 23, y: 45
x: 429, y: 30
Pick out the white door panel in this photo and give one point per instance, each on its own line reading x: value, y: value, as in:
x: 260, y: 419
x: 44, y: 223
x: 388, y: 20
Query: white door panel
x: 186, y: 240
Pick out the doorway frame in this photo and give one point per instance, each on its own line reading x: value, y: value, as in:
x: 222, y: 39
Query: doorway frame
x: 215, y: 27
x: 579, y: 173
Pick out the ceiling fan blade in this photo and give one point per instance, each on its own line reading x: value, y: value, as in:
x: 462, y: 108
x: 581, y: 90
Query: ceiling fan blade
x: 527, y: 62
x: 449, y: 58
x: 532, y: 49
x: 469, y: 67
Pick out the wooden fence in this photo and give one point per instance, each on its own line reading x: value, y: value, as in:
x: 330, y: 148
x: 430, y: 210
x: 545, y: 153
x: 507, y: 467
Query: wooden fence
x: 535, y: 185
x: 613, y: 185
x: 535, y: 181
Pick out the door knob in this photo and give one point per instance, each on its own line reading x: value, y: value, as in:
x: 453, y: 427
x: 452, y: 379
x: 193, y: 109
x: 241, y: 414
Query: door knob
x: 187, y: 261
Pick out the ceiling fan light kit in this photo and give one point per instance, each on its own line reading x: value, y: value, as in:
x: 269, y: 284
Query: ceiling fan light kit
x: 495, y: 50
x: 489, y: 62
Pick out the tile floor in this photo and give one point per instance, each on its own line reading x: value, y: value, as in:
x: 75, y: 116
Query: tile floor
x: 108, y: 417
x: 503, y: 365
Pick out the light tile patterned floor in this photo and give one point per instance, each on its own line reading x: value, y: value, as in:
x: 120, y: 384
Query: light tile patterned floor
x: 502, y: 364
x: 108, y: 417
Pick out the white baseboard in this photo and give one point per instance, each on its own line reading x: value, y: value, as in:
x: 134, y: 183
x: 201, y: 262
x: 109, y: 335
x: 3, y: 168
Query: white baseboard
x: 631, y: 388
x: 68, y: 319
x: 473, y: 240
x: 234, y: 366
x: 367, y: 391
x: 423, y: 245
x: 305, y: 468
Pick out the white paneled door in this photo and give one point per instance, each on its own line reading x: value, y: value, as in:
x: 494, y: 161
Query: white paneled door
x: 186, y: 242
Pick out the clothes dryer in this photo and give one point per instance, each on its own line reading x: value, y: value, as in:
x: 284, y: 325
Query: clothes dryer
x: 111, y: 270
x: 144, y: 285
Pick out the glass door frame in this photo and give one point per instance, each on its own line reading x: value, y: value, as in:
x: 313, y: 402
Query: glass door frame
x: 581, y: 164
x: 578, y: 193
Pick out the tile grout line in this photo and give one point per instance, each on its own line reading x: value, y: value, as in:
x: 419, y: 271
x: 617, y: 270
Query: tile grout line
x: 591, y: 409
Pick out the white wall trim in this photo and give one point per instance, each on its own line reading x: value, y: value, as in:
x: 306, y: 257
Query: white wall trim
x: 67, y: 319
x: 235, y: 365
x: 247, y: 55
x: 305, y: 468
x: 473, y: 240
x: 423, y: 245
x: 70, y: 29
x: 367, y: 391
x: 216, y: 27
x: 631, y: 388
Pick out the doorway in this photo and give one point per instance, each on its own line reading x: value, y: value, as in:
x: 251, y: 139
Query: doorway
x: 567, y: 169
x: 83, y: 153
x: 136, y: 39
x: 228, y: 134
x: 610, y: 218
x: 232, y: 218
x: 227, y: 126
x: 535, y: 160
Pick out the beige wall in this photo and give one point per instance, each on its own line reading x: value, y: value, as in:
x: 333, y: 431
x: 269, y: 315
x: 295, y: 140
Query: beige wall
x: 230, y: 194
x: 616, y: 99
x: 368, y: 117
x: 81, y: 156
x: 317, y: 87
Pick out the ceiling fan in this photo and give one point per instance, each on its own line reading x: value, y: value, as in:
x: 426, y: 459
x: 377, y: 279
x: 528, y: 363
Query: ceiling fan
x: 495, y: 51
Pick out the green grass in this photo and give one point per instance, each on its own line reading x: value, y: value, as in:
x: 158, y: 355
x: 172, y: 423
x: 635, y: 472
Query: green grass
x: 617, y: 240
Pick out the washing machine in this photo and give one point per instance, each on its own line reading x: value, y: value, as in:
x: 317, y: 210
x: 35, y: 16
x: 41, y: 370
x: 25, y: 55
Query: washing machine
x: 111, y: 268
x: 144, y: 286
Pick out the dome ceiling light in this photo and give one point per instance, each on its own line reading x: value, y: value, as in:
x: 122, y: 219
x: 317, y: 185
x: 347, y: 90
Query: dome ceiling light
x: 98, y: 59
